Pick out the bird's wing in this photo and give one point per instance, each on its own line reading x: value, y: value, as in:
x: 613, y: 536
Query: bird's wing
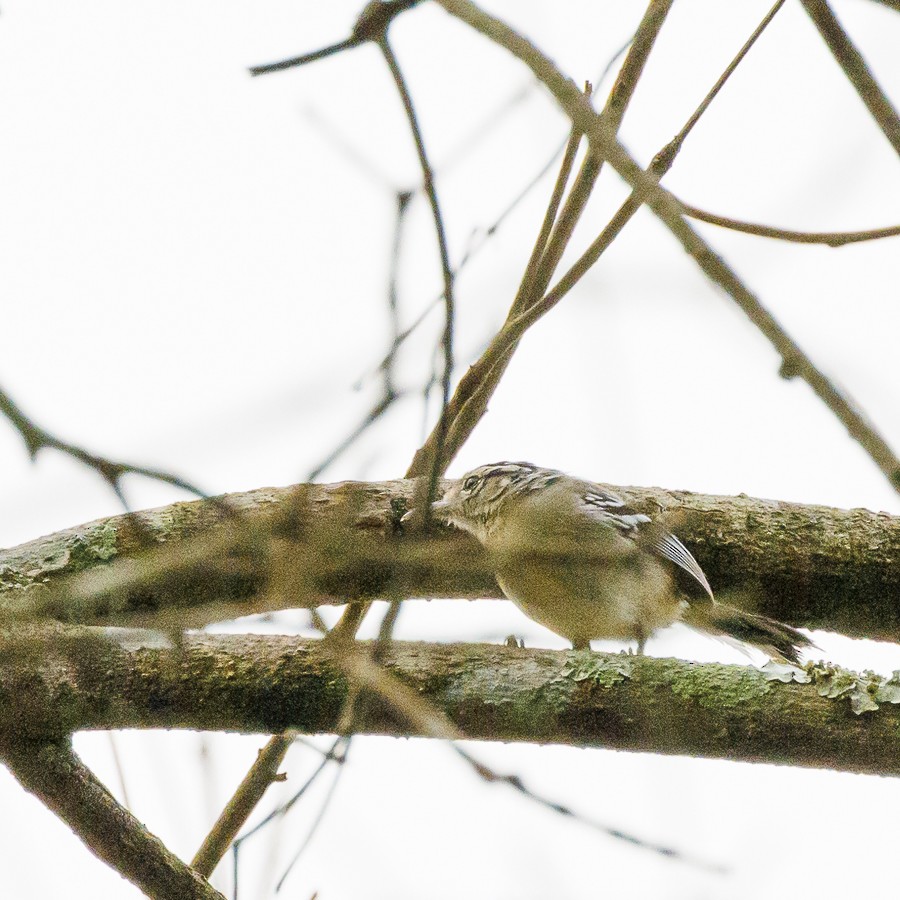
x: 607, y: 507
x: 669, y: 547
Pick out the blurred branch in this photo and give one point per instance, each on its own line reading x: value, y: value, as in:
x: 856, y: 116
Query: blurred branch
x: 856, y: 70
x: 371, y: 25
x: 478, y: 383
x: 57, y: 777
x: 250, y: 683
x: 111, y: 471
x: 811, y: 566
x: 658, y: 167
x: 364, y: 666
x: 470, y: 400
x: 432, y: 466
x: 831, y: 238
x: 795, y: 363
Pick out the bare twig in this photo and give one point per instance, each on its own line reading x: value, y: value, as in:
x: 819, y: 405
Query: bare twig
x: 373, y: 25
x: 659, y: 166
x: 663, y: 160
x: 856, y: 70
x: 317, y: 821
x: 831, y: 238
x: 337, y: 753
x: 250, y: 791
x: 485, y: 234
x: 370, y: 26
x: 474, y: 390
x: 432, y: 469
x: 426, y: 719
x: 111, y: 471
x: 516, y: 783
x: 795, y: 363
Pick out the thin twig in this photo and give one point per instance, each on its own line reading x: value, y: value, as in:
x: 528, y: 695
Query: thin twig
x: 317, y: 821
x: 423, y: 464
x: 120, y: 770
x: 856, y: 70
x: 111, y: 471
x: 663, y: 161
x: 337, y: 753
x: 617, y: 102
x: 659, y: 166
x: 630, y: 74
x: 559, y: 186
x: 371, y: 25
x: 262, y: 773
x: 474, y: 390
x: 516, y: 783
x: 795, y: 363
x: 382, y: 405
x: 831, y: 238
x: 295, y: 61
x: 359, y: 666
x: 432, y: 469
x: 355, y: 611
x: 486, y: 234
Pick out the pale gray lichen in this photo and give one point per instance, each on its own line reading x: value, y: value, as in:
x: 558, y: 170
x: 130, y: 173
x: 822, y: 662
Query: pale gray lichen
x: 865, y: 690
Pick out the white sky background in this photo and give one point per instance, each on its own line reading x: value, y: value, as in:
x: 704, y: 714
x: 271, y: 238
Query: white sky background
x: 193, y: 277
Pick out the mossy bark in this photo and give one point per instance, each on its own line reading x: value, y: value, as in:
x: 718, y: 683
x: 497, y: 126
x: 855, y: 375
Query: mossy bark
x: 268, y: 684
x: 274, y: 548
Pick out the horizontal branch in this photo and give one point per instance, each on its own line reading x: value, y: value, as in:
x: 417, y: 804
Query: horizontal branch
x: 250, y: 683
x: 811, y: 566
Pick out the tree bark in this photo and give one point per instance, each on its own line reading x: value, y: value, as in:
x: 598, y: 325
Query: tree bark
x: 268, y: 684
x: 274, y: 548
x: 55, y: 775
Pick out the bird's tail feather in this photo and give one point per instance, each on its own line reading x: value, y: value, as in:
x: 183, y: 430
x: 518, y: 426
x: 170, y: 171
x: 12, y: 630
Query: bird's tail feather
x: 780, y: 641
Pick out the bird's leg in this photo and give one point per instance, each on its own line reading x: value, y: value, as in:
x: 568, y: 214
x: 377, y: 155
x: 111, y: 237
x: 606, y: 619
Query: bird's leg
x: 641, y: 641
x: 581, y: 645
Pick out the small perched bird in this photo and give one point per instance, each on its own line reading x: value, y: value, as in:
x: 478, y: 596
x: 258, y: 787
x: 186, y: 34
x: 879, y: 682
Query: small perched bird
x: 573, y: 556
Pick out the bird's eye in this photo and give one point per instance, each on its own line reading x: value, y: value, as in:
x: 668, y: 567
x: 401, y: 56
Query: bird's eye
x: 470, y: 483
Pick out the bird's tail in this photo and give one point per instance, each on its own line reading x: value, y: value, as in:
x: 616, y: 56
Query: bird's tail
x: 780, y: 641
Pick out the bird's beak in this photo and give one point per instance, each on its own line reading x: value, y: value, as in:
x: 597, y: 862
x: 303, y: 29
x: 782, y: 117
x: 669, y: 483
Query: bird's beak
x: 437, y: 509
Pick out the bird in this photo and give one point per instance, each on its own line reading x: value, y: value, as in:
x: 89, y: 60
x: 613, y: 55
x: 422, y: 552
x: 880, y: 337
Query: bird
x: 573, y: 556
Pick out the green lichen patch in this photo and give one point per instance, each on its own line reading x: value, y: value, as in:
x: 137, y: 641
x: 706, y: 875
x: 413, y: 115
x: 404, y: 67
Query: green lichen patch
x: 599, y: 669
x: 97, y: 545
x: 719, y: 687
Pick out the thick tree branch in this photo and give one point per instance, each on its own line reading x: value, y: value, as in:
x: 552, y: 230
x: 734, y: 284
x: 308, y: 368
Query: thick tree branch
x: 810, y: 566
x: 269, y: 684
x: 56, y: 776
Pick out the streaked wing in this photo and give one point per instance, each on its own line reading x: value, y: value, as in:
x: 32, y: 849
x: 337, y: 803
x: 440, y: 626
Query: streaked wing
x: 611, y: 509
x: 669, y: 547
